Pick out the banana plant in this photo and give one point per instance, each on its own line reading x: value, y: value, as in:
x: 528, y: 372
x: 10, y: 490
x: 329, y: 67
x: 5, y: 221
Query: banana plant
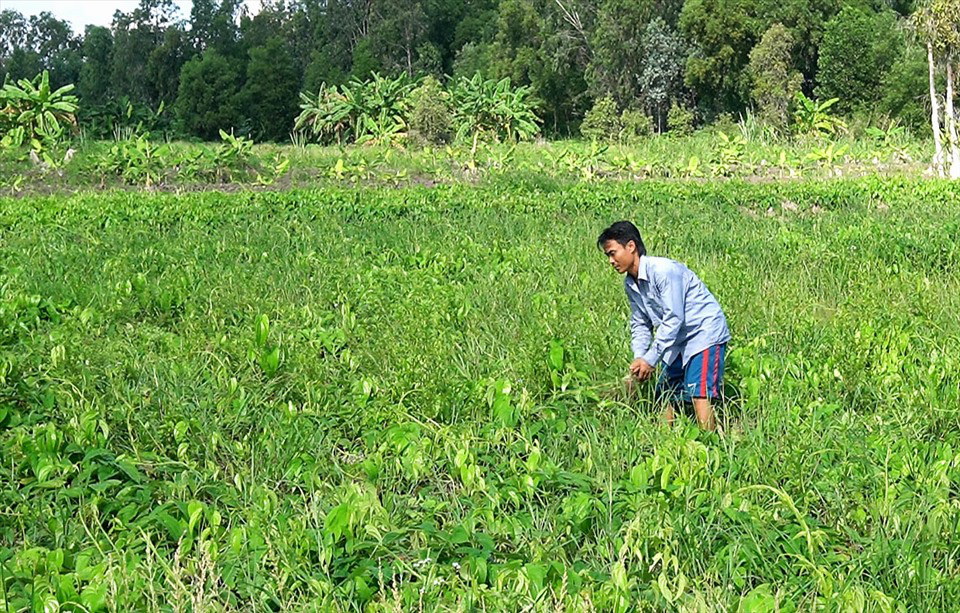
x: 36, y: 113
x: 493, y: 109
x: 364, y: 111
x: 827, y: 157
x: 324, y: 115
x: 812, y: 116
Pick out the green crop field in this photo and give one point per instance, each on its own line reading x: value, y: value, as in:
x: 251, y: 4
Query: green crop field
x: 403, y: 399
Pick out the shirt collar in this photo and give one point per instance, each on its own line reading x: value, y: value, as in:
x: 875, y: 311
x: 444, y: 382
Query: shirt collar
x: 642, y: 269
x: 634, y: 284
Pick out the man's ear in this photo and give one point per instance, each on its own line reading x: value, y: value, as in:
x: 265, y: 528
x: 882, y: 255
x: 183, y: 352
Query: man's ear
x: 632, y: 246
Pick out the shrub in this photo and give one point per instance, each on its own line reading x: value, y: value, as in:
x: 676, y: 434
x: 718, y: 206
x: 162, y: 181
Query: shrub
x: 208, y: 97
x: 635, y: 124
x: 431, y: 116
x: 680, y: 120
x: 485, y: 107
x: 602, y: 122
x: 773, y: 78
x: 856, y: 53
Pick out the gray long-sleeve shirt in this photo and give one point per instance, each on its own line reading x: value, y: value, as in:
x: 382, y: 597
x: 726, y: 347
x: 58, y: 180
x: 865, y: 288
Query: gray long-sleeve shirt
x: 669, y: 296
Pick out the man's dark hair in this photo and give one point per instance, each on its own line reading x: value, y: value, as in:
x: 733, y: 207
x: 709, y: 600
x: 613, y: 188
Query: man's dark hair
x: 623, y: 232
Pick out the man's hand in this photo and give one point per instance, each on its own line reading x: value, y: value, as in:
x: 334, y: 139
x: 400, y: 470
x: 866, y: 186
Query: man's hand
x: 640, y: 369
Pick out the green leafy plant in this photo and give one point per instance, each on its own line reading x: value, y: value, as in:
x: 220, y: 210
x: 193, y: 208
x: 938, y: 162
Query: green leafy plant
x: 431, y: 114
x: 636, y: 125
x: 32, y: 113
x: 813, y: 117
x: 827, y: 157
x: 231, y: 158
x: 728, y: 155
x: 679, y: 120
x: 602, y: 122
x: 372, y: 111
x: 488, y: 109
x: 136, y: 160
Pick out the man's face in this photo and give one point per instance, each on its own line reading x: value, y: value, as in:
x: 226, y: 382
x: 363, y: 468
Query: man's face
x: 621, y: 258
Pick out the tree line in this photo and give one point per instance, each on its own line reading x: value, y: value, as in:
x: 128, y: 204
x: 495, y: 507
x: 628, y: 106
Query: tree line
x: 221, y: 67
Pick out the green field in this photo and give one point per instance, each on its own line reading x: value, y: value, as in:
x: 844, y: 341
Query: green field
x: 721, y: 152
x: 403, y: 399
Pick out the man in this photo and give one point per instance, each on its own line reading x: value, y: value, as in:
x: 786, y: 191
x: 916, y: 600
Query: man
x: 691, y: 330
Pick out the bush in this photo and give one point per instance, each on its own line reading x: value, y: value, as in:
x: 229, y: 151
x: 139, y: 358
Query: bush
x: 680, y: 120
x: 488, y: 108
x: 431, y: 116
x: 856, y: 53
x: 906, y: 78
x: 602, y: 122
x: 208, y: 99
x: 374, y: 111
x: 774, y: 80
x: 635, y: 125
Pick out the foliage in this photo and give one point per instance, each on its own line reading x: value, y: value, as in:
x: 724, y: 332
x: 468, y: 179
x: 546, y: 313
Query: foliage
x: 617, y: 50
x: 33, y: 113
x: 902, y: 84
x: 325, y: 114
x: 431, y: 114
x: 723, y: 33
x: 680, y: 120
x: 661, y: 81
x: 814, y: 117
x: 602, y: 122
x: 568, y: 53
x: 775, y: 82
x: 636, y: 124
x: 122, y: 119
x: 729, y: 152
x: 488, y: 109
x: 94, y: 83
x: 208, y: 99
x: 857, y: 51
x: 363, y: 111
x: 270, y: 91
x: 240, y: 395
x: 136, y: 160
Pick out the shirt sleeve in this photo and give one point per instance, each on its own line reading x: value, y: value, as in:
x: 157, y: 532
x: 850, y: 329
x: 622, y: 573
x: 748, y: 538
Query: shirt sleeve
x: 641, y: 330
x: 671, y: 289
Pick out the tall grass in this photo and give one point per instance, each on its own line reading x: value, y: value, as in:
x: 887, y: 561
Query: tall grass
x: 409, y: 399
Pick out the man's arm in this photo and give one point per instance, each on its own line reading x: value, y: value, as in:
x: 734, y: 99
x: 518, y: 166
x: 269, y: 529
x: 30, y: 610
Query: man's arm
x: 670, y: 285
x: 641, y: 330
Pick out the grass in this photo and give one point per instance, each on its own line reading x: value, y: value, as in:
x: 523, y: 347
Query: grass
x: 409, y: 399
x: 732, y: 151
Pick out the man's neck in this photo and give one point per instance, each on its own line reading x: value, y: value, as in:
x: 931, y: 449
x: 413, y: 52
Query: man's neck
x: 634, y: 270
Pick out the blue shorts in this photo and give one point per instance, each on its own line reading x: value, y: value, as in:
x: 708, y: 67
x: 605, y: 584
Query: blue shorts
x: 701, y: 378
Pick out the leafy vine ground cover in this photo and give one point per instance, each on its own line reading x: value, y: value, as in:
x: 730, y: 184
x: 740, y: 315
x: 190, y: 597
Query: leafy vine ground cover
x: 410, y: 399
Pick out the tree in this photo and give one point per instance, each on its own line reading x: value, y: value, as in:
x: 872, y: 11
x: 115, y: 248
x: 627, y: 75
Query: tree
x: 270, y: 92
x: 165, y: 63
x: 938, y: 24
x: 207, y: 98
x: 532, y: 48
x: 618, y: 54
x: 774, y: 80
x: 214, y: 26
x: 23, y: 64
x: 402, y: 28
x: 41, y: 43
x: 904, y: 86
x: 857, y: 51
x: 661, y: 80
x: 451, y: 24
x: 94, y: 84
x: 722, y: 33
x: 13, y: 34
x: 136, y: 35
